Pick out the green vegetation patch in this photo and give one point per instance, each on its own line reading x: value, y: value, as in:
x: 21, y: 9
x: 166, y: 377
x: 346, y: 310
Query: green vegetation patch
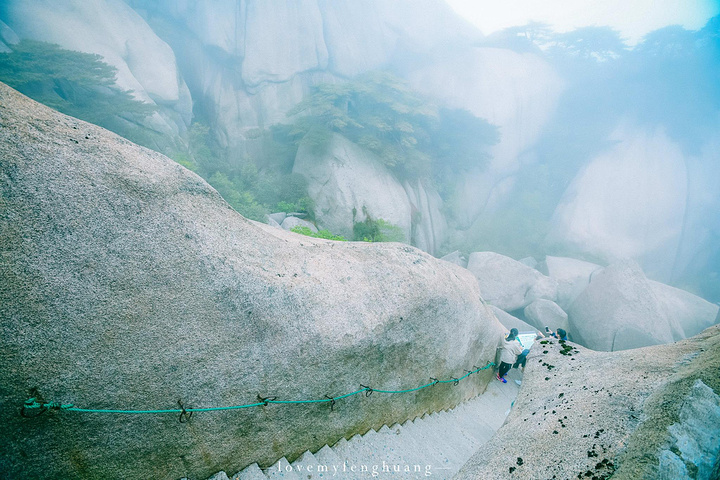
x: 326, y: 234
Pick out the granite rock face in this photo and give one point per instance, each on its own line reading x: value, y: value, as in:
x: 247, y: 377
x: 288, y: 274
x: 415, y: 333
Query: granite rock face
x: 110, y: 28
x: 585, y: 414
x: 695, y: 437
x: 619, y: 310
x: 349, y: 183
x: 572, y: 276
x: 126, y: 282
x: 545, y: 313
x: 693, y: 313
x: 643, y: 198
x: 507, y: 283
x: 250, y: 61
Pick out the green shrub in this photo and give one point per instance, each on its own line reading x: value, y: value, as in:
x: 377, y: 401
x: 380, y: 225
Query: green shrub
x: 326, y: 234
x: 379, y: 230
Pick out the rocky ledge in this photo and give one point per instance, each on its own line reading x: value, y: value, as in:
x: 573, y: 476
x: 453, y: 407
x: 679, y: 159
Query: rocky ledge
x: 645, y: 413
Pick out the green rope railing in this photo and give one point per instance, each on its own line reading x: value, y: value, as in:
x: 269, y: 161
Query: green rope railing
x: 33, y: 404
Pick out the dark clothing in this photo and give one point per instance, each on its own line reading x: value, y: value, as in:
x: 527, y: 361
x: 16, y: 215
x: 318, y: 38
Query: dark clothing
x: 521, y: 359
x: 504, y: 369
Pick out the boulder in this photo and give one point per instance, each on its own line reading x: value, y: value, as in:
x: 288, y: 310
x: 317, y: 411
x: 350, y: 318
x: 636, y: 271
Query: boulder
x: 509, y: 321
x: 270, y: 221
x: 348, y: 183
x: 545, y: 313
x: 620, y: 415
x: 571, y: 275
x: 642, y: 183
x: 693, y: 313
x: 619, y: 309
x: 291, y: 222
x: 456, y: 257
x: 278, y: 217
x: 128, y: 283
x: 507, y: 283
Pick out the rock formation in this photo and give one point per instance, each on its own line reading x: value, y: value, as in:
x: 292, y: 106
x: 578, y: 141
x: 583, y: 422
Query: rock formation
x: 126, y: 282
x: 249, y: 62
x: 641, y: 199
x: 692, y: 313
x: 349, y: 184
x: 571, y: 275
x: 545, y: 313
x: 619, y: 310
x: 626, y: 415
x: 507, y: 283
x: 110, y: 28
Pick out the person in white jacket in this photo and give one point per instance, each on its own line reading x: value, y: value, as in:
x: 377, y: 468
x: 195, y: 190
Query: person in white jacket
x: 511, y: 348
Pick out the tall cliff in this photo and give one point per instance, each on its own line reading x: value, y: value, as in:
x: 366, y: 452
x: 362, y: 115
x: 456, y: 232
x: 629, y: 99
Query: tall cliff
x: 565, y: 135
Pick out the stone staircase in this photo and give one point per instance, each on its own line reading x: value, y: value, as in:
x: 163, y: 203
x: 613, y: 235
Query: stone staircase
x: 435, y: 445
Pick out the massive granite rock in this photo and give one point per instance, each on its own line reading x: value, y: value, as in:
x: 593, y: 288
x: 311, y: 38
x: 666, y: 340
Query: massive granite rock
x: 692, y: 313
x: 249, y: 62
x: 507, y: 283
x: 348, y: 183
x: 625, y: 415
x: 545, y: 313
x: 110, y: 28
x: 694, y: 450
x: 619, y: 309
x: 644, y: 198
x: 572, y: 276
x: 126, y: 282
